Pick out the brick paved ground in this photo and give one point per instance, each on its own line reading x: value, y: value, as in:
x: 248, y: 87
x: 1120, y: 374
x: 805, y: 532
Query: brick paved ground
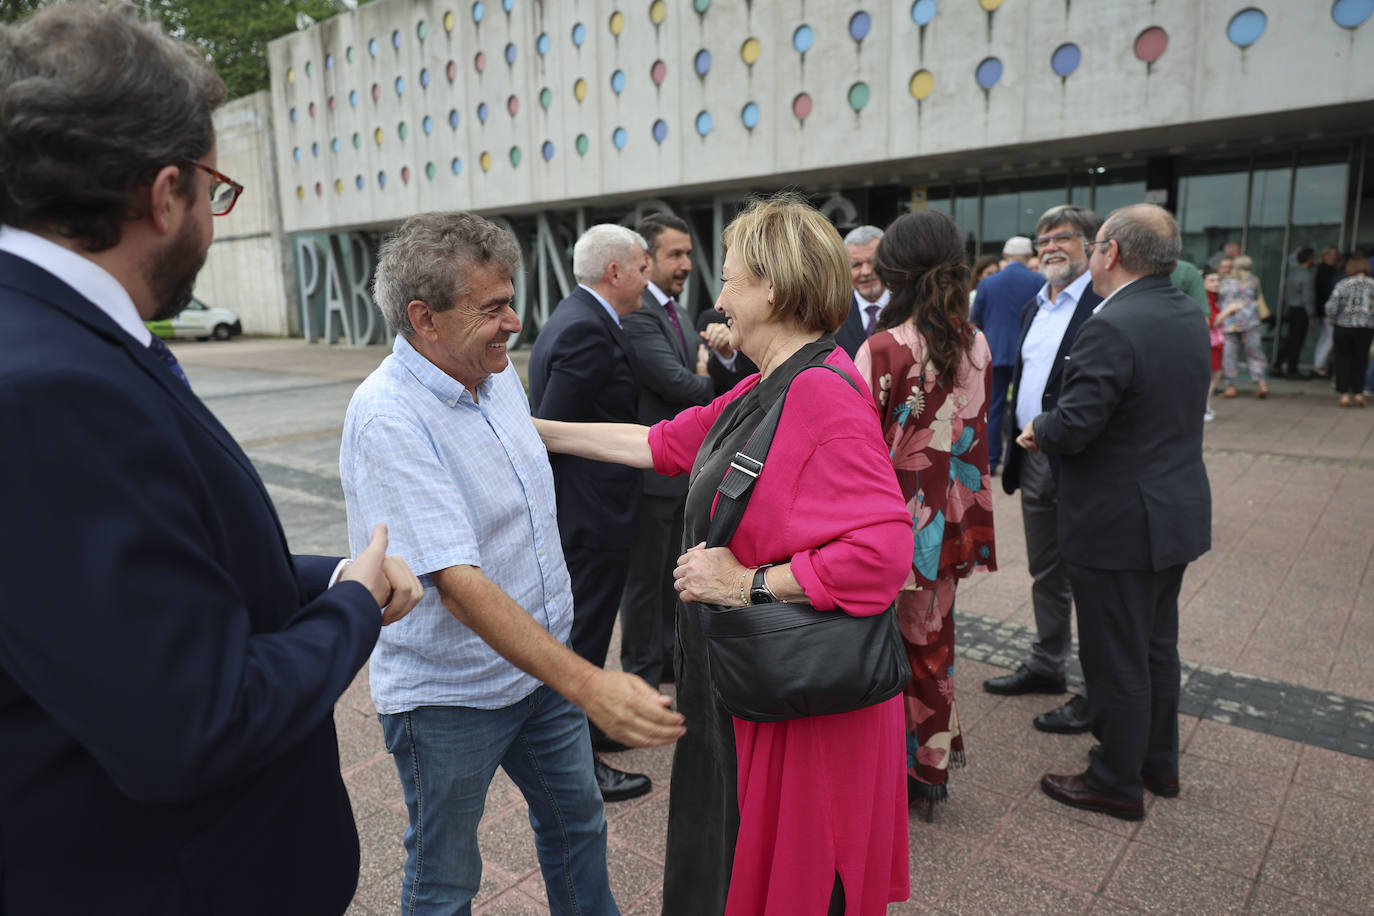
x: 1277, y: 636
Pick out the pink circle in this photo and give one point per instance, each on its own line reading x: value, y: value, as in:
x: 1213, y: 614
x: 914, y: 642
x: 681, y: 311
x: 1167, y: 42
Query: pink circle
x: 376, y: 92
x: 1150, y: 44
x: 658, y: 72
x: 801, y: 106
x: 452, y: 71
x: 512, y: 105
x: 312, y: 109
x: 480, y: 62
x: 331, y: 103
x: 319, y: 189
x: 405, y: 174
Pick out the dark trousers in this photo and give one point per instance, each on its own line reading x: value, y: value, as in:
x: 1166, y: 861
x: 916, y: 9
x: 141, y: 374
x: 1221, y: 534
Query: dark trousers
x: 1295, y: 322
x: 997, y: 405
x: 598, y: 577
x: 649, y: 603
x: 1350, y: 355
x: 1128, y: 645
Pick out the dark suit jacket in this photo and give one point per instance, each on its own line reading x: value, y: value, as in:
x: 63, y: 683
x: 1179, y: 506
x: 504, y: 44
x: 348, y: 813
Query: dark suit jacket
x: 668, y: 382
x: 582, y: 369
x: 724, y: 378
x: 1133, y: 490
x: 998, y: 305
x: 1011, y: 470
x: 168, y: 670
x: 851, y: 334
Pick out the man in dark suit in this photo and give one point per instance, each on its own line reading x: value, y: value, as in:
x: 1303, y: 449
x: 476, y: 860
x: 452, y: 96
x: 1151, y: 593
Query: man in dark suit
x: 168, y: 670
x: 870, y: 295
x: 1135, y: 507
x: 673, y: 375
x: 582, y: 369
x: 1049, y: 326
x: 727, y: 366
x: 997, y: 311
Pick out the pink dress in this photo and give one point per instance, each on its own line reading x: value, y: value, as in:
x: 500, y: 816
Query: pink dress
x: 824, y: 795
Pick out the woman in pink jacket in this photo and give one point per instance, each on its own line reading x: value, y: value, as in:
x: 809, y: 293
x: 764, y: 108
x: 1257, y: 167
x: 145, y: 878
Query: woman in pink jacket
x: 808, y: 815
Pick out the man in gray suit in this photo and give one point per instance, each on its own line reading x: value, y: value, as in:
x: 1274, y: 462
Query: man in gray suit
x: 1134, y: 505
x: 673, y: 376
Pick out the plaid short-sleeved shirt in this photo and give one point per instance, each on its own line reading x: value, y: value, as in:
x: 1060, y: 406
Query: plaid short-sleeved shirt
x: 456, y: 482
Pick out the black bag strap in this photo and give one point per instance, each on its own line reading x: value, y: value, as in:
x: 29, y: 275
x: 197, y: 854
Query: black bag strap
x: 738, y: 483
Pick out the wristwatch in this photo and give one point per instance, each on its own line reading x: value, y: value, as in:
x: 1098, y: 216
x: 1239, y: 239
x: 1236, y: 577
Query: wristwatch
x: 759, y: 593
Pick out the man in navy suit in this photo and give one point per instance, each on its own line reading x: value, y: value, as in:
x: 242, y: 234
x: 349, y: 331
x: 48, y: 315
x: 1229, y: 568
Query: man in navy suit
x: 870, y: 295
x: 997, y: 311
x: 582, y: 369
x: 168, y: 670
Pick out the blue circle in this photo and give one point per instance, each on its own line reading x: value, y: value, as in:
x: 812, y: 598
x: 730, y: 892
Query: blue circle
x: 579, y: 34
x: 660, y: 130
x: 424, y: 78
x: 329, y: 61
x: 508, y: 5
x: 510, y: 53
x: 542, y: 44
x: 620, y: 137
x: 400, y: 84
x: 427, y: 124
x: 546, y: 150
x: 296, y: 153
x: 1246, y: 27
x: 479, y: 10
x: 359, y: 182
x: 989, y: 72
x: 859, y: 24
x: 618, y: 82
x: 803, y: 38
x: 750, y: 115
x: 381, y: 180
x: 372, y: 48
x: 456, y: 166
x: 1066, y: 59
x: 1351, y: 13
x: 315, y: 149
x: 293, y: 116
x: 353, y: 97
x: 922, y: 11
x: 702, y: 62
x: 396, y: 39
x: 704, y: 123
x: 334, y: 144
x: 453, y: 118
x: 482, y: 112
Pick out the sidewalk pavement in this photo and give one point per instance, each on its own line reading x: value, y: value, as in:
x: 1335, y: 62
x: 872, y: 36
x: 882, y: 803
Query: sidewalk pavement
x: 1277, y: 731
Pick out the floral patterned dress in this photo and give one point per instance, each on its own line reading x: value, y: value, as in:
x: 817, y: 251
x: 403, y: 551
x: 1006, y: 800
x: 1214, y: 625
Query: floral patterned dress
x: 937, y: 437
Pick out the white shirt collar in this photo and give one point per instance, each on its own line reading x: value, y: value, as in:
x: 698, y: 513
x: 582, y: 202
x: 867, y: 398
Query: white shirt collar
x: 604, y: 304
x: 82, y: 274
x: 880, y: 302
x: 1113, y: 293
x: 1074, y: 291
x: 659, y: 294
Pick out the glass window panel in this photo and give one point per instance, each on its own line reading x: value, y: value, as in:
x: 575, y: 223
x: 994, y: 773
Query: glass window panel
x: 1211, y: 212
x: 1269, y: 197
x: 1319, y: 196
x: 966, y: 217
x: 1014, y: 207
x: 1264, y: 240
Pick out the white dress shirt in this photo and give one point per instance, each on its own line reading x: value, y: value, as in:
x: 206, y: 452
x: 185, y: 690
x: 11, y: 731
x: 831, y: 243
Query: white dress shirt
x: 604, y: 304
x: 1041, y: 346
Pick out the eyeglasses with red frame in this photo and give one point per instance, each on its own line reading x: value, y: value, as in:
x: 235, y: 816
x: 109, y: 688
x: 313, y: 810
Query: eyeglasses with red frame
x: 224, y: 191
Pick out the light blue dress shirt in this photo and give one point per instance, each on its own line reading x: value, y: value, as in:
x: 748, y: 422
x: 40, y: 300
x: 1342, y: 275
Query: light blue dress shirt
x: 456, y: 482
x: 1041, y: 346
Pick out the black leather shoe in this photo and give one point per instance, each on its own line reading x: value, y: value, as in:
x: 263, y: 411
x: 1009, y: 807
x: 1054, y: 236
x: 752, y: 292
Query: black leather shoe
x: 1069, y: 719
x: 1024, y: 680
x: 617, y: 785
x: 1075, y: 792
x: 603, y: 743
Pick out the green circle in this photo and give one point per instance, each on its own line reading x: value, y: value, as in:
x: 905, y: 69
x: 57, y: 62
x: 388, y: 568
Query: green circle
x: 545, y: 98
x: 309, y: 68
x: 401, y: 129
x: 582, y: 144
x: 357, y: 140
x: 858, y: 96
x: 515, y: 155
x: 422, y: 30
x: 701, y: 5
x: 349, y: 54
x: 429, y: 170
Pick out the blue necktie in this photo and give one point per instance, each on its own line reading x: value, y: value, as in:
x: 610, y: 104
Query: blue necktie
x: 162, y: 352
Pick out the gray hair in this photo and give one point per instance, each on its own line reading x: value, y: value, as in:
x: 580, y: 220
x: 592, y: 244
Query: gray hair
x: 600, y: 246
x: 863, y: 235
x: 1082, y: 220
x: 426, y: 258
x: 1147, y: 238
x: 93, y: 103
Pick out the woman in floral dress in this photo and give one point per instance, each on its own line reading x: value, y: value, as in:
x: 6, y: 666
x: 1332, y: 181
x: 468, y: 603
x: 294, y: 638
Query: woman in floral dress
x: 931, y: 371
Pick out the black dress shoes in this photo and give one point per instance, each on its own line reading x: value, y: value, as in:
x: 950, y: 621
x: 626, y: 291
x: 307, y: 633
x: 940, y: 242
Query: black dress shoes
x: 1024, y: 680
x: 617, y: 785
x: 1069, y: 719
x: 1075, y: 792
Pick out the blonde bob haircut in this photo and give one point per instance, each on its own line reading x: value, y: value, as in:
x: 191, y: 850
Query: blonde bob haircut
x: 786, y: 241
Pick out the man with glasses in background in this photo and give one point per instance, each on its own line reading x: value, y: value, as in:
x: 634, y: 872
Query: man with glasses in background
x: 1049, y: 325
x: 168, y: 670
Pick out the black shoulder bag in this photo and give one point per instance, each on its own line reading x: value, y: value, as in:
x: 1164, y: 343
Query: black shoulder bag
x: 786, y: 660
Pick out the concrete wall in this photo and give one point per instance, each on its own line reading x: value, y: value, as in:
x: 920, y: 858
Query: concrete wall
x: 1302, y: 60
x: 248, y: 268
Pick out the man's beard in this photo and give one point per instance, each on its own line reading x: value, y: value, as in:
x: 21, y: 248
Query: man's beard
x: 1065, y: 273
x: 172, y: 272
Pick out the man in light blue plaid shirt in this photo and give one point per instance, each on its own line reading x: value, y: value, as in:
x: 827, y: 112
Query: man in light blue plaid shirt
x: 438, y: 441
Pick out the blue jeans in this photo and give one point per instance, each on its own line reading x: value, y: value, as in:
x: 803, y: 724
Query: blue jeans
x: 446, y: 757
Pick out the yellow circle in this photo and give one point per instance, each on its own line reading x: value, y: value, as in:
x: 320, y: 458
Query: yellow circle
x: 580, y: 89
x: 377, y: 135
x: 922, y: 82
x: 338, y: 185
x: 989, y: 5
x: 749, y: 51
x: 290, y: 74
x: 658, y: 11
x: 617, y: 22
x: 485, y: 161
x: 448, y: 21
x: 300, y: 192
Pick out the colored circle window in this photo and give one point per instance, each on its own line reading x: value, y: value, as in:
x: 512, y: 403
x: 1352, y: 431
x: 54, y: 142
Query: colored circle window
x: 309, y: 68
x: 618, y: 82
x: 859, y: 95
x: 508, y: 5
x: 546, y: 150
x: 1246, y: 27
x: 421, y: 32
x: 989, y: 72
x: 617, y: 23
x: 402, y: 131
x: 427, y: 125
x: 1349, y: 14
x: 704, y: 122
x: 922, y: 11
x: 451, y: 70
x: 453, y: 118
x: 372, y: 47
x: 348, y: 54
x: 315, y: 149
x: 802, y: 105
x: 510, y: 53
x: 329, y: 61
x: 1150, y: 44
x: 619, y: 137
x: 424, y: 78
x: 989, y: 5
x: 579, y: 34
x: 702, y: 62
x: 456, y: 166
x: 296, y: 153
x: 358, y: 181
x: 381, y: 180
x: 542, y: 43
x: 290, y: 74
x: 377, y: 135
x: 921, y: 85
x: 658, y: 72
x: 405, y: 174
x: 479, y: 62
x: 750, y: 50
x: 803, y: 38
x: 311, y: 108
x: 479, y: 9
x: 292, y: 114
x: 334, y: 145
x: 750, y: 115
x: 430, y: 170
x: 660, y: 130
x: 400, y: 84
x: 582, y: 144
x: 449, y: 23
x: 701, y: 6
x: 376, y: 92
x: 357, y: 140
x: 859, y: 24
x: 484, y: 161
x: 331, y: 103
x: 545, y: 98
x: 300, y: 192
x: 396, y: 39
x: 513, y: 106
x: 580, y: 89
x: 353, y: 97
x: 658, y: 11
x: 482, y: 111
x: 1066, y: 59
x: 338, y: 185
x: 319, y: 189
x: 515, y: 156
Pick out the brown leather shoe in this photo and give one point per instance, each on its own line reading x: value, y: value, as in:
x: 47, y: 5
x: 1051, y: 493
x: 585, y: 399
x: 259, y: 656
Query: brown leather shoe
x: 1163, y: 786
x: 1074, y: 791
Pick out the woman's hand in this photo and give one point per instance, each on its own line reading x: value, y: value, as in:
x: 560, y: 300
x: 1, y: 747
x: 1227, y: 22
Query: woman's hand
x: 710, y: 575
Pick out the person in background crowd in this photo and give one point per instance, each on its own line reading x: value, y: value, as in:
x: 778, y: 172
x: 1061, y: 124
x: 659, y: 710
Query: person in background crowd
x: 869, y: 294
x: 1328, y: 273
x: 985, y: 266
x: 1238, y: 297
x: 1350, y: 310
x: 1188, y: 278
x: 997, y: 311
x: 1227, y: 252
x: 1299, y: 308
x: 930, y: 371
x: 1211, y: 282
